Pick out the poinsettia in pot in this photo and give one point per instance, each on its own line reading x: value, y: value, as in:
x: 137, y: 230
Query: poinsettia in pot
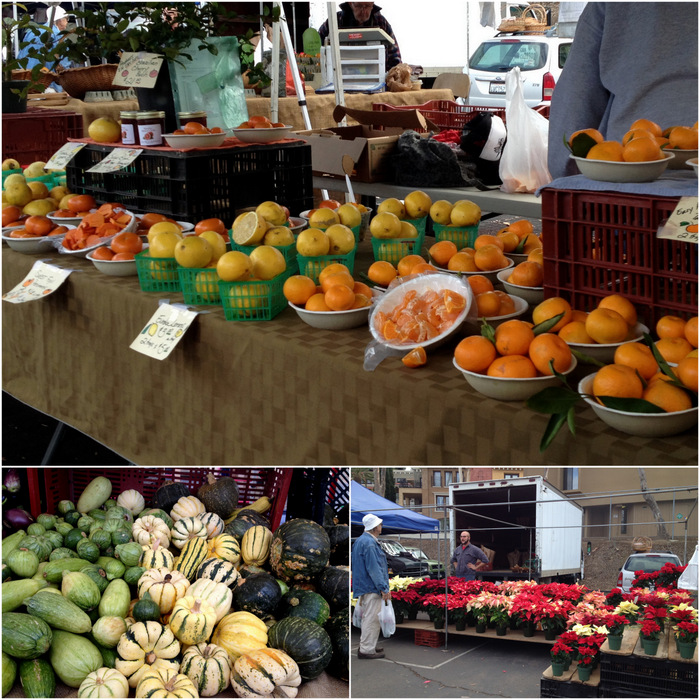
x: 650, y: 635
x: 586, y: 662
x: 560, y: 656
x: 434, y: 604
x: 405, y: 603
x: 616, y: 626
x: 684, y: 618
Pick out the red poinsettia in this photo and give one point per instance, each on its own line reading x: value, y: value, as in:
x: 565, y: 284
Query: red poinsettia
x: 615, y: 623
x: 650, y: 629
x: 587, y: 656
x: 686, y: 631
x: 560, y: 652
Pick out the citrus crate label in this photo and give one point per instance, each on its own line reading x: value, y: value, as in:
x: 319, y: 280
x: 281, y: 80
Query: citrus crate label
x: 116, y: 160
x: 138, y: 69
x: 43, y: 279
x: 63, y: 156
x: 163, y: 331
x: 682, y: 225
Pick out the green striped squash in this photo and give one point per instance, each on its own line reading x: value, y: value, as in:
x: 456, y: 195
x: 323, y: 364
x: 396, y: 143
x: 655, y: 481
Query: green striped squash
x: 305, y: 641
x: 255, y: 545
x: 225, y: 547
x: 146, y: 646
x: 192, y: 620
x: 155, y: 557
x: 214, y: 524
x: 208, y: 667
x: 218, y: 570
x: 192, y: 555
x: 38, y: 678
x: 218, y: 595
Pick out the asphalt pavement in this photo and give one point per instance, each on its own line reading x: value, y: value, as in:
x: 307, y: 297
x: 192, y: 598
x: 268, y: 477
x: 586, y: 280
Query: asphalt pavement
x: 469, y: 667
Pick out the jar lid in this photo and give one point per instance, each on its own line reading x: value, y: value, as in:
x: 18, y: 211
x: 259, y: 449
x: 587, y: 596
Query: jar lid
x: 149, y: 115
x: 197, y: 113
x: 127, y: 115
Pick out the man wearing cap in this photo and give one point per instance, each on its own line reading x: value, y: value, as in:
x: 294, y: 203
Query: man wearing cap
x: 464, y: 558
x: 370, y: 584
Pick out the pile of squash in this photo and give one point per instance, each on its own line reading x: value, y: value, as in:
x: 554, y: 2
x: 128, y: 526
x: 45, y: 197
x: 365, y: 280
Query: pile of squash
x: 181, y: 599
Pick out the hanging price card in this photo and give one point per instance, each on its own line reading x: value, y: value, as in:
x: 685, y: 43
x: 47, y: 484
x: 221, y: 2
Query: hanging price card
x: 43, y: 279
x: 163, y: 331
x: 63, y: 156
x: 116, y: 160
x: 682, y: 225
x: 138, y: 69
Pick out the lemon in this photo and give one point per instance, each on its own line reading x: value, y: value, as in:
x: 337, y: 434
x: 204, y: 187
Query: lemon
x: 272, y: 212
x: 440, y: 212
x: 13, y: 179
x: 417, y: 204
x: 206, y: 284
x: 349, y: 215
x: 385, y: 225
x: 312, y: 242
x: 342, y: 239
x: 39, y: 190
x: 465, y: 213
x: 245, y: 298
x: 323, y: 218
x: 18, y: 193
x: 250, y: 228
x: 234, y: 266
x: 105, y: 130
x: 162, y: 245
x: 278, y: 236
x: 193, y: 251
x: 163, y: 227
x: 267, y: 262
x: 408, y: 230
x: 216, y: 241
x: 393, y: 206
x: 39, y: 207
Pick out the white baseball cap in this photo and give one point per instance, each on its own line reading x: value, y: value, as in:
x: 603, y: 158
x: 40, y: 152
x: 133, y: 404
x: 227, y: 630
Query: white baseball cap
x: 58, y: 13
x: 370, y: 521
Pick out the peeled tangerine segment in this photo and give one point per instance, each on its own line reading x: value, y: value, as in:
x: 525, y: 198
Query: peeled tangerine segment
x: 250, y: 229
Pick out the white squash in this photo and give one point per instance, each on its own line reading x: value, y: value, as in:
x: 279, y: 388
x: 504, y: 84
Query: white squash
x: 155, y: 556
x: 265, y: 673
x: 104, y: 683
x: 217, y: 594
x: 148, y: 529
x: 214, y: 524
x: 132, y: 500
x: 187, y: 529
x: 208, y: 667
x: 187, y: 507
x: 165, y: 587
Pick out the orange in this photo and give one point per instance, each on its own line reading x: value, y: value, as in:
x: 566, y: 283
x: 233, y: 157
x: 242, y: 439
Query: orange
x: 415, y: 358
x: 648, y: 125
x: 514, y: 337
x: 362, y: 288
x: 667, y: 396
x: 10, y: 215
x: 536, y: 255
x: 683, y: 137
x: 606, y: 326
x: 339, y: 297
x: 581, y: 141
x: 488, y: 304
x: 532, y: 242
x: 527, y: 274
x: 617, y: 380
x: 406, y: 264
x: 361, y: 300
x: 546, y: 347
x: 512, y: 366
x: 38, y: 225
x: 661, y: 377
x: 638, y: 133
x: 475, y: 353
x: 195, y: 128
x: 462, y: 262
x: 670, y: 327
x: 102, y: 253
x: 127, y: 243
x: 298, y: 289
x: 549, y: 308
x: 442, y: 251
x: 673, y: 349
x: 688, y: 372
x: 575, y: 332
x: 480, y: 284
x: 637, y: 356
x: 210, y: 225
x: 453, y: 301
x: 606, y: 150
x: 507, y: 303
x: 123, y: 256
x: 641, y: 149
x: 423, y: 267
x: 486, y: 239
x: 490, y: 257
x: 691, y: 331
x: 522, y: 227
x: 317, y: 302
x: 331, y: 270
x: 81, y: 202
x: 623, y: 306
x: 509, y: 239
x: 259, y: 120
x: 344, y: 278
x: 578, y: 315
x: 382, y: 272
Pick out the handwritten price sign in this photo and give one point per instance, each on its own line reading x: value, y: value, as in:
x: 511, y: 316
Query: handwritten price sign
x: 116, y: 160
x: 42, y: 280
x: 63, y: 156
x: 682, y: 225
x: 163, y: 331
x: 138, y: 70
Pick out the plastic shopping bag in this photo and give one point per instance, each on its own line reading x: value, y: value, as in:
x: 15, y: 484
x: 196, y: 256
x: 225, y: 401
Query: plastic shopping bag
x: 387, y: 620
x: 523, y: 166
x: 357, y: 615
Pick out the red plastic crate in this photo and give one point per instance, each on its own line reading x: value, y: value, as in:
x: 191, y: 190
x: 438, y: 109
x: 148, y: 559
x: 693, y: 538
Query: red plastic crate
x: 38, y: 133
x: 600, y: 243
x: 428, y: 638
x: 48, y: 486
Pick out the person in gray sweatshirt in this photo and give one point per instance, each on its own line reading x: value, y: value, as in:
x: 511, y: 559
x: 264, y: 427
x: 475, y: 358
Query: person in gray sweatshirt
x: 628, y: 61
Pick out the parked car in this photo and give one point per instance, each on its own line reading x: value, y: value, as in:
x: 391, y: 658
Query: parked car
x: 401, y: 561
x: 437, y: 569
x: 648, y: 562
x: 540, y: 59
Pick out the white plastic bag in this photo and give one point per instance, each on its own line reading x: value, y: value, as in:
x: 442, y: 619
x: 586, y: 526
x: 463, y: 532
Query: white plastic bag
x: 387, y: 620
x: 523, y: 166
x: 357, y: 615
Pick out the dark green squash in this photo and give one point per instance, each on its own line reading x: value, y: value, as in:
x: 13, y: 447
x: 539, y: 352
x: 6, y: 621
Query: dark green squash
x: 300, y: 550
x: 87, y: 549
x: 98, y: 514
x: 101, y: 538
x: 169, y: 494
x: 62, y: 553
x: 72, y: 517
x: 65, y: 507
x: 338, y: 628
x: 109, y: 656
x: 72, y: 538
x: 333, y: 583
x: 38, y: 678
x: 146, y: 609
x: 6, y: 573
x: 37, y: 544
x: 220, y: 495
x: 9, y: 673
x: 339, y: 536
x: 259, y: 594
x: 305, y: 641
x: 54, y: 537
x: 133, y: 574
x: 246, y: 519
x: 121, y: 536
x: 85, y: 523
x: 250, y: 569
x: 98, y: 575
x: 301, y: 603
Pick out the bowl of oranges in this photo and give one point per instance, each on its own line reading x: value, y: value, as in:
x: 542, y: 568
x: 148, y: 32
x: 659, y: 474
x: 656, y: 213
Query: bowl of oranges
x: 530, y: 293
x: 261, y: 130
x: 622, y: 171
x: 203, y: 140
x: 116, y: 258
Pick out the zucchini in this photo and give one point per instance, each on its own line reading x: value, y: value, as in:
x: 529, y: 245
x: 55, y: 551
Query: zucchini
x: 94, y: 495
x: 113, y: 567
x: 59, y: 612
x: 116, y: 599
x: 38, y: 679
x: 9, y: 673
x: 14, y: 593
x: 54, y: 569
x: 12, y: 542
x: 25, y: 636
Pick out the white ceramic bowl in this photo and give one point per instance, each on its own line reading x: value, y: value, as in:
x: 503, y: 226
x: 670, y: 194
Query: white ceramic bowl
x: 680, y: 157
x: 37, y: 244
x: 195, y: 140
x: 648, y: 425
x: 333, y: 320
x: 532, y: 295
x: 116, y: 268
x: 614, y: 171
x: 517, y: 258
x: 693, y: 163
x: 521, y: 306
x: 64, y: 220
x: 510, y: 389
x: 262, y: 135
x: 82, y: 253
x: 437, y: 281
x: 297, y: 224
x: 489, y: 274
x: 606, y: 352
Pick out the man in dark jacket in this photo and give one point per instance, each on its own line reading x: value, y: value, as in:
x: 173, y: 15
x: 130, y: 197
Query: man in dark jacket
x: 365, y: 14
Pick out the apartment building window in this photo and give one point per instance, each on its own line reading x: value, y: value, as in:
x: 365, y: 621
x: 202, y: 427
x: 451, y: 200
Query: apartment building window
x: 570, y: 478
x: 510, y: 475
x: 448, y: 478
x: 440, y: 502
x: 437, y: 478
x: 623, y: 521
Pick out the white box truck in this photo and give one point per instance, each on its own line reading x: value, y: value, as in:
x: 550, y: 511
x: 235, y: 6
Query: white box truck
x: 524, y: 519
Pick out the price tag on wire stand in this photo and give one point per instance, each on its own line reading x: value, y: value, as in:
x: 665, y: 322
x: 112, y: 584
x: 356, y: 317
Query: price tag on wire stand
x: 116, y: 160
x: 682, y: 225
x: 164, y: 330
x: 63, y: 156
x: 43, y: 279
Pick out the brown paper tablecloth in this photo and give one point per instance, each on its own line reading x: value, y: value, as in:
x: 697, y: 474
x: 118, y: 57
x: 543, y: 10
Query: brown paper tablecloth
x: 321, y: 107
x: 269, y: 393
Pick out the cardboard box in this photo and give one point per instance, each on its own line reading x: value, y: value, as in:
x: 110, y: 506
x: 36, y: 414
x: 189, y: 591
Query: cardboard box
x: 362, y: 150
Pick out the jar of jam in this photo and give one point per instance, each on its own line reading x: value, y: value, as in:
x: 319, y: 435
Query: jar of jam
x: 199, y: 116
x: 150, y: 127
x: 128, y: 122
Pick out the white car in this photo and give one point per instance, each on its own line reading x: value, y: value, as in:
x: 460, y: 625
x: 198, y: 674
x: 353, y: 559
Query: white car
x: 540, y: 59
x: 648, y: 562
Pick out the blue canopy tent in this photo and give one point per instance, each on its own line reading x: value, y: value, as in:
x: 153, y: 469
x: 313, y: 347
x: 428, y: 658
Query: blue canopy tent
x: 396, y: 519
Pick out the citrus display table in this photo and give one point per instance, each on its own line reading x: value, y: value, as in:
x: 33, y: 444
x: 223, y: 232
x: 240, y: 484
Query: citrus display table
x: 269, y: 393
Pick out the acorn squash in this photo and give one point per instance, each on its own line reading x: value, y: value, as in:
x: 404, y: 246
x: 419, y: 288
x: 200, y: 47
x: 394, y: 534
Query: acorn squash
x: 259, y: 594
x: 300, y: 549
x: 168, y: 495
x: 339, y: 536
x: 300, y: 603
x: 245, y: 519
x: 333, y: 583
x: 220, y: 495
x: 305, y: 641
x: 338, y: 628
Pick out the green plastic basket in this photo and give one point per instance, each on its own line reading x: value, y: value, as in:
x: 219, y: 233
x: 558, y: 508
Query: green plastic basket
x: 420, y: 224
x: 199, y: 285
x: 393, y: 249
x: 157, y: 274
x: 312, y: 266
x: 289, y: 252
x: 259, y: 300
x: 462, y: 237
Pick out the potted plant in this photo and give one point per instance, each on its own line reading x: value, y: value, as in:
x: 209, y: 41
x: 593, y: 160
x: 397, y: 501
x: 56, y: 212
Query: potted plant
x: 499, y: 616
x: 586, y: 662
x: 650, y: 635
x: 685, y: 628
x: 435, y: 605
x: 560, y: 656
x: 616, y: 626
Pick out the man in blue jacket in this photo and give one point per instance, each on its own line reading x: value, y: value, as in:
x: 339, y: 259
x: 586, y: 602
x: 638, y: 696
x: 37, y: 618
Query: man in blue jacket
x: 370, y: 584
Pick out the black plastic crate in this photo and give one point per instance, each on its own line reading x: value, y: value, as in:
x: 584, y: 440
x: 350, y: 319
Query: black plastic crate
x: 195, y: 185
x: 648, y: 677
x: 550, y: 688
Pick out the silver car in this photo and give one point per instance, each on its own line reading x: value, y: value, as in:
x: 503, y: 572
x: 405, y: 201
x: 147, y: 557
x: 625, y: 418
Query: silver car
x: 648, y: 562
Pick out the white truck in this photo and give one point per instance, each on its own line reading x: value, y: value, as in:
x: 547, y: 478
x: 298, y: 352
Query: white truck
x: 524, y: 520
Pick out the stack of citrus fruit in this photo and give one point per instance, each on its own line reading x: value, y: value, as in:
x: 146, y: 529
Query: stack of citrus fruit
x: 486, y: 255
x: 337, y: 290
x: 268, y: 224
